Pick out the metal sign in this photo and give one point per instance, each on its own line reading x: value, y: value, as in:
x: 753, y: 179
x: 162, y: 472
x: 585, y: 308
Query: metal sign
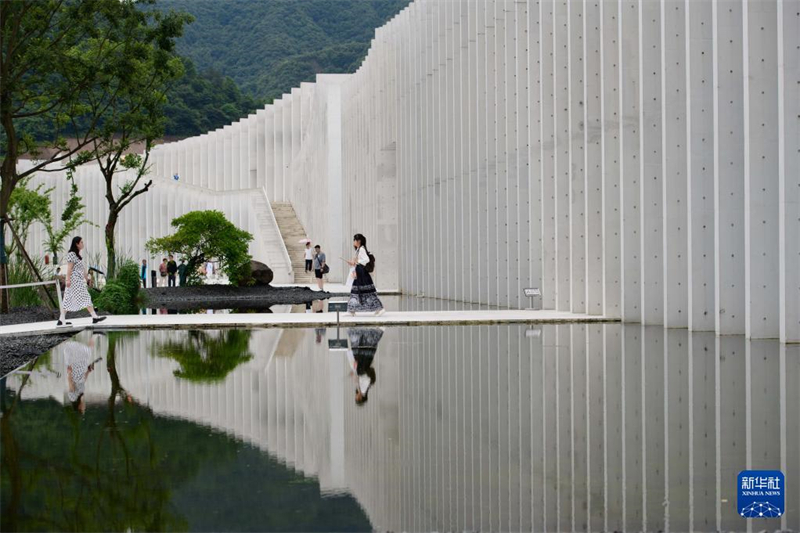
x: 337, y: 306
x: 337, y: 344
x: 533, y: 291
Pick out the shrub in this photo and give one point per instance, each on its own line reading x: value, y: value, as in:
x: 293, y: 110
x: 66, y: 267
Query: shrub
x: 120, y: 296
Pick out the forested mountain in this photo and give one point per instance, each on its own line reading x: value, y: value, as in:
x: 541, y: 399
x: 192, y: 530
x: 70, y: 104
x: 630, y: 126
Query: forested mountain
x: 200, y: 102
x: 270, y: 46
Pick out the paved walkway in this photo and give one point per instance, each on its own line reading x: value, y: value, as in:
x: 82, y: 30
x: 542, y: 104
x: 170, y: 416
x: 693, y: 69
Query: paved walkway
x: 288, y: 320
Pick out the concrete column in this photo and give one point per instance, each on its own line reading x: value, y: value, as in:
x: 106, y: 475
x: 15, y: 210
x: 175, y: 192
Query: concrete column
x: 529, y: 84
x: 278, y: 151
x: 286, y: 162
x: 269, y: 151
x: 576, y: 146
x: 213, y: 159
x: 252, y: 153
x: 700, y: 134
x: 593, y: 146
x: 675, y: 183
x: 260, y: 148
x: 547, y: 157
x: 651, y: 160
x: 761, y: 162
x: 236, y: 156
x: 788, y: 36
x: 227, y: 159
x: 561, y: 106
x: 728, y: 168
x: 630, y: 153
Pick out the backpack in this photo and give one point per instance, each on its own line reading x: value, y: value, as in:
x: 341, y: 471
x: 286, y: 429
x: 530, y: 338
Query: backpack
x: 370, y: 267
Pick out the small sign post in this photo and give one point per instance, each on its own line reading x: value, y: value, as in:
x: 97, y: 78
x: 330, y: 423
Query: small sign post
x: 536, y: 298
x: 338, y: 306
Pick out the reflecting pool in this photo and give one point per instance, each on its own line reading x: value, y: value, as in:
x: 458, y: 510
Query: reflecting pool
x: 585, y: 427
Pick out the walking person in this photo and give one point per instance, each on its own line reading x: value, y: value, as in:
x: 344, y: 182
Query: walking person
x: 309, y: 254
x: 320, y: 267
x: 182, y: 272
x: 172, y: 269
x: 76, y: 290
x: 143, y: 275
x: 162, y: 271
x: 363, y: 296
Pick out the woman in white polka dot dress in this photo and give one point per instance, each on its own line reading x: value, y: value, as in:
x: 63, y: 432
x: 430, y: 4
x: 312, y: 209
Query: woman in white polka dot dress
x: 76, y: 293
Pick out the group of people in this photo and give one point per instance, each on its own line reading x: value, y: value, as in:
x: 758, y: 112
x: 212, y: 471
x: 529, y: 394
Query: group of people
x: 169, y: 271
x: 363, y: 295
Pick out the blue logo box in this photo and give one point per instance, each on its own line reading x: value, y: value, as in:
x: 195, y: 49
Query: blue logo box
x: 761, y: 493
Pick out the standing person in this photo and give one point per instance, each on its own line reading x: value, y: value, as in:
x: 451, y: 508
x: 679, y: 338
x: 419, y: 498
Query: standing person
x: 172, y: 269
x: 209, y: 269
x: 143, y: 275
x: 309, y: 256
x: 363, y: 296
x: 319, y: 266
x: 182, y: 272
x: 76, y: 290
x: 162, y: 271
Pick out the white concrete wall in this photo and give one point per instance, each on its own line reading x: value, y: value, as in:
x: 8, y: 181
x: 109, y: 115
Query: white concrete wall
x: 633, y: 158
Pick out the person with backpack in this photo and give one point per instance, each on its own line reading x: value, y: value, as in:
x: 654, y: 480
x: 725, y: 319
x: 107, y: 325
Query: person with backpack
x: 320, y: 267
x: 363, y: 296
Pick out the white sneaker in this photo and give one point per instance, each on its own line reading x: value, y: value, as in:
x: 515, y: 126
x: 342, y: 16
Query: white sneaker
x: 380, y: 312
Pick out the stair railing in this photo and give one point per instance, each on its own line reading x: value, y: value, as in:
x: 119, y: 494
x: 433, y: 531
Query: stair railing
x: 273, y: 222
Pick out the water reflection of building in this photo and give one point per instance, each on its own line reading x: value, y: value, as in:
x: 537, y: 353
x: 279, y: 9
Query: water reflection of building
x: 598, y: 427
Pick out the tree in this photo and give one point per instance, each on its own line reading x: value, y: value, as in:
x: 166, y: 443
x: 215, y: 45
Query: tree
x: 206, y: 357
x: 137, y: 115
x: 28, y: 205
x: 62, y: 65
x: 203, y: 236
x: 71, y: 218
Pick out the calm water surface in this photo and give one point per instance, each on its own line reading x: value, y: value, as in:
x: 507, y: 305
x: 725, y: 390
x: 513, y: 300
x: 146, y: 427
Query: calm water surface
x: 491, y: 428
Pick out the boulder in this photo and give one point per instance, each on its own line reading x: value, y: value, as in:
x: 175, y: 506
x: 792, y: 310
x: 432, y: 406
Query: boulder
x: 261, y: 273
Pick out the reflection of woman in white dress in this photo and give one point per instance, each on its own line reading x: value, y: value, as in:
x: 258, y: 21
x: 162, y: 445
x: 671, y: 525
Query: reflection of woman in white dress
x: 363, y: 346
x: 78, y: 358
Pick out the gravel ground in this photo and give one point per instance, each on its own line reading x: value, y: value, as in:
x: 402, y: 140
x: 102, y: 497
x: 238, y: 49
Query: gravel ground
x: 229, y: 297
x: 15, y: 351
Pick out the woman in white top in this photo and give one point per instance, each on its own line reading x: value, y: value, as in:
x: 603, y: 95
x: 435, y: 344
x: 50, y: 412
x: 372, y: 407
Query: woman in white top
x: 76, y: 291
x: 363, y: 296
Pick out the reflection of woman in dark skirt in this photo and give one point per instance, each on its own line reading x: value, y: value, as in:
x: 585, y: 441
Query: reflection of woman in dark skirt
x: 363, y: 296
x: 363, y: 346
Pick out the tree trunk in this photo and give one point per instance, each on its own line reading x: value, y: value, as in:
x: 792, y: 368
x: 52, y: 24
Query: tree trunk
x: 111, y: 225
x: 5, y: 199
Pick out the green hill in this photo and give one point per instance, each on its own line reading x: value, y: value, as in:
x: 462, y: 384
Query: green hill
x: 269, y: 46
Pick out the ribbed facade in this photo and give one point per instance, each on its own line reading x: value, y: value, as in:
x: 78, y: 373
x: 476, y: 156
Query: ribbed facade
x: 576, y: 427
x: 632, y: 158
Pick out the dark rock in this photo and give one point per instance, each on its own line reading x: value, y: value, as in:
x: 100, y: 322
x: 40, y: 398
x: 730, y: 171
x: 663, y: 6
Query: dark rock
x: 261, y: 273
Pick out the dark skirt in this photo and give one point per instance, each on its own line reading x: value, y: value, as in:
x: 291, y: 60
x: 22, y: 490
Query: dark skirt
x: 363, y: 296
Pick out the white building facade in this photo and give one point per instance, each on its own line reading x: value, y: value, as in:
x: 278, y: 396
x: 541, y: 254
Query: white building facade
x: 631, y: 158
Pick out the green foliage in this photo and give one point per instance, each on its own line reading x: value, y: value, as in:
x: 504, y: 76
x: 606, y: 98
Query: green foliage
x: 18, y: 273
x: 203, y: 236
x: 206, y: 357
x: 270, y: 47
x: 120, y: 296
x: 27, y: 206
x: 201, y: 102
x: 71, y: 218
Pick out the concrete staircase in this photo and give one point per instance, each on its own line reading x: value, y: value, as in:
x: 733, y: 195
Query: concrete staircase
x: 292, y: 231
x: 272, y: 241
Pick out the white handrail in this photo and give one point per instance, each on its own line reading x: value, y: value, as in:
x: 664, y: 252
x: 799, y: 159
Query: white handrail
x: 274, y: 222
x: 36, y: 284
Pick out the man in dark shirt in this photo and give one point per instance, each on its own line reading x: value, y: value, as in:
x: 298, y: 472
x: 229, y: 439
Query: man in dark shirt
x: 172, y: 269
x: 182, y: 272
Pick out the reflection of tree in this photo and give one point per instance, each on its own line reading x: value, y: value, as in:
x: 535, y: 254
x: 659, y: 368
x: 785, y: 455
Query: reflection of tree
x: 207, y: 357
x: 102, y: 472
